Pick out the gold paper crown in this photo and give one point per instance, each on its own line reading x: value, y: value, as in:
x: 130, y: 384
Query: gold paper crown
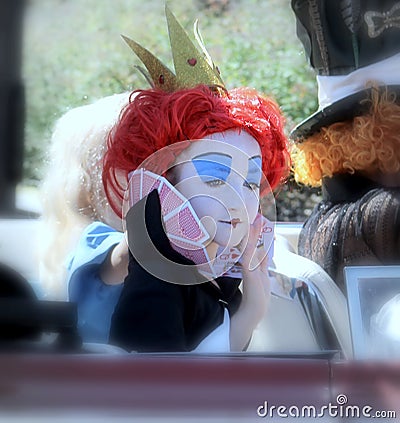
x: 192, y: 67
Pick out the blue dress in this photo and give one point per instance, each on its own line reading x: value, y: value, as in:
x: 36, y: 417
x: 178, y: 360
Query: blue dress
x: 95, y: 299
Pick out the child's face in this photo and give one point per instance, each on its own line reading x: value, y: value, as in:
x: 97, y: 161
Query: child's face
x: 221, y: 177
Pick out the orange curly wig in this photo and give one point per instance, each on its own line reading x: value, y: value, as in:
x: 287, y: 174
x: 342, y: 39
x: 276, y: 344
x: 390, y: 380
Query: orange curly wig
x: 368, y: 143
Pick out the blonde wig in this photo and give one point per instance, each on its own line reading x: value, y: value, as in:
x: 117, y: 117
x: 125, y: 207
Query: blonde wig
x: 72, y: 190
x: 368, y: 143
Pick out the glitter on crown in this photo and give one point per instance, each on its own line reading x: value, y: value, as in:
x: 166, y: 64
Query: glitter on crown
x: 192, y: 67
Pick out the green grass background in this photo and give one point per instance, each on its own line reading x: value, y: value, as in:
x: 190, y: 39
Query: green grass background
x: 73, y: 54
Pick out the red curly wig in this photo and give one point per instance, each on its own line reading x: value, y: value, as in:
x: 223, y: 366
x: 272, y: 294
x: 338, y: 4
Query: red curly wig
x: 154, y: 119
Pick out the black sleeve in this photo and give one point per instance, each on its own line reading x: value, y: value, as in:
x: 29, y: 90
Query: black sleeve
x: 149, y: 315
x: 380, y: 224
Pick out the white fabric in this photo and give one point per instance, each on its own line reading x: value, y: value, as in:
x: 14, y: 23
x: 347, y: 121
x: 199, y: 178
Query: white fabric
x: 334, y: 88
x: 217, y: 341
x: 333, y: 300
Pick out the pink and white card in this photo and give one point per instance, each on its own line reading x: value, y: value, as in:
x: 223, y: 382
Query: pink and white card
x: 183, y: 227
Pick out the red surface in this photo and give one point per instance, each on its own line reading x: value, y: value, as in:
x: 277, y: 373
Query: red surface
x: 160, y: 384
x: 178, y: 386
x: 372, y: 383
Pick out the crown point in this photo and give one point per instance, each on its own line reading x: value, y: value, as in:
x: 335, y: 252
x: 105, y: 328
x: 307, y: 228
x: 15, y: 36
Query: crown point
x: 185, y: 54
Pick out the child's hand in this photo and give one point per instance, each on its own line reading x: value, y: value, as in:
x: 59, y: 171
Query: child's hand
x: 115, y: 268
x: 254, y: 255
x: 256, y: 288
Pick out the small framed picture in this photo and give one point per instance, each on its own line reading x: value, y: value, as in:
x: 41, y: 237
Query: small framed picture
x: 373, y: 297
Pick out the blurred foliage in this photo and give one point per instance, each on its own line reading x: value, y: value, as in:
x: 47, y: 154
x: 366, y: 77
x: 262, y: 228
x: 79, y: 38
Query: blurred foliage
x: 74, y: 54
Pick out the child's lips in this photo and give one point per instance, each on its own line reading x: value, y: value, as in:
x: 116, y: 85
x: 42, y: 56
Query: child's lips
x: 233, y: 222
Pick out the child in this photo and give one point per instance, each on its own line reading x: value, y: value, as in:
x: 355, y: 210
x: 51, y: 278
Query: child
x: 84, y: 247
x: 213, y: 145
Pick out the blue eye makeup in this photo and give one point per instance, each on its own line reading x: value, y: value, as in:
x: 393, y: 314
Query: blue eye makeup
x: 213, y: 167
x: 254, y: 173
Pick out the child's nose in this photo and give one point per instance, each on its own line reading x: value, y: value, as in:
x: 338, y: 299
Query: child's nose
x: 236, y: 199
